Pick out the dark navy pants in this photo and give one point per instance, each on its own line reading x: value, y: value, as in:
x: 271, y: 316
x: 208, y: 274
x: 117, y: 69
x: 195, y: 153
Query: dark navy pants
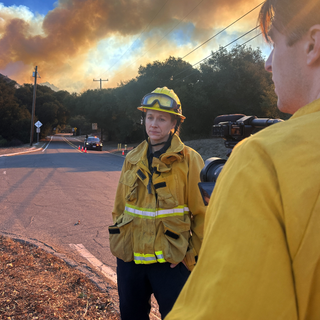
x: 137, y: 282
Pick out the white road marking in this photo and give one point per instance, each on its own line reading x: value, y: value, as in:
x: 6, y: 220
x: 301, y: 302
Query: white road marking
x: 23, y: 152
x: 47, y: 144
x: 33, y: 149
x: 108, y: 272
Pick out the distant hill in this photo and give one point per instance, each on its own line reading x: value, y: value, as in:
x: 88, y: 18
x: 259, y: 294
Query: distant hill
x: 7, y: 79
x: 51, y: 86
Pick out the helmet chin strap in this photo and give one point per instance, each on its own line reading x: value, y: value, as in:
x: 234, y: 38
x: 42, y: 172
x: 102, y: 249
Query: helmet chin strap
x: 157, y: 144
x: 167, y: 143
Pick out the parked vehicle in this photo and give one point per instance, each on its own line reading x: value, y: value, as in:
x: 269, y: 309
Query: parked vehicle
x: 93, y: 143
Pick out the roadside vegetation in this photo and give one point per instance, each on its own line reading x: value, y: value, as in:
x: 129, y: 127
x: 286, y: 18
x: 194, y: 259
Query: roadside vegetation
x: 229, y: 82
x: 38, y: 285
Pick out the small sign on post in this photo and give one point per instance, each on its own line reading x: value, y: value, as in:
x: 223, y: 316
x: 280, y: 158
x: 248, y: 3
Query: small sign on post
x: 38, y: 124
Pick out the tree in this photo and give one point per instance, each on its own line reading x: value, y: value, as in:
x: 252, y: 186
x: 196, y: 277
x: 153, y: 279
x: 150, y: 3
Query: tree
x: 229, y: 82
x: 236, y: 82
x: 14, y: 118
x: 49, y: 108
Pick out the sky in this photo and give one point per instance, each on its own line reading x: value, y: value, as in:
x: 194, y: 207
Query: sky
x: 73, y: 42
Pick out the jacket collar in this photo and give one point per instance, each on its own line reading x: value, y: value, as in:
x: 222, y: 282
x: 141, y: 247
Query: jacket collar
x: 174, y: 151
x: 307, y: 109
x: 172, y: 154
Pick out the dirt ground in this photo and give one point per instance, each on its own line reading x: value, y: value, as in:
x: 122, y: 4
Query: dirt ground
x: 208, y: 148
x: 37, y: 285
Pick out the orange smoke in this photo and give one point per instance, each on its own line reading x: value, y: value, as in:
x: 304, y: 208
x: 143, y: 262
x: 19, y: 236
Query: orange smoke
x: 62, y: 42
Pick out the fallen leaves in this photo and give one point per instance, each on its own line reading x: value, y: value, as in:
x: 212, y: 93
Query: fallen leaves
x: 37, y: 285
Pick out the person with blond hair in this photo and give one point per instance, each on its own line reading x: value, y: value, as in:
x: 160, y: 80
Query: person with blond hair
x: 260, y: 257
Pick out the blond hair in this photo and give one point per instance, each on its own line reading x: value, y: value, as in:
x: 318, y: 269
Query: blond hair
x: 293, y: 18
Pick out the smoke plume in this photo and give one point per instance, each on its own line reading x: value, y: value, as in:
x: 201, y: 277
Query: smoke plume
x: 84, y: 39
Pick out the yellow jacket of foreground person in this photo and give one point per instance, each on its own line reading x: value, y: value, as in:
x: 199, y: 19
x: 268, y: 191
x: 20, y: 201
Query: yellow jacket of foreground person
x: 260, y: 258
x: 159, y: 217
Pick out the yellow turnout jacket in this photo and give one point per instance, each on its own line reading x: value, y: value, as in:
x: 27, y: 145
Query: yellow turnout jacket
x: 160, y: 220
x: 260, y: 258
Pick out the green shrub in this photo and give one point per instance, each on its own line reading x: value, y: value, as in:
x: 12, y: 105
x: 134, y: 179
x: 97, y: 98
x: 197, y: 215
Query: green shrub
x: 3, y: 142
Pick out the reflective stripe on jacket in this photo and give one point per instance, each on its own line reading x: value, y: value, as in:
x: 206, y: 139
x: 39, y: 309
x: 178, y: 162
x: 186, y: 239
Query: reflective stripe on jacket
x: 164, y: 224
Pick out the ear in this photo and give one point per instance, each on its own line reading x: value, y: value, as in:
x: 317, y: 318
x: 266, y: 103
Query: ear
x: 313, y: 49
x: 174, y: 122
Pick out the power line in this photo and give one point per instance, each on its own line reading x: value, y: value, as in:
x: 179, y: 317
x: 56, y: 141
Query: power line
x: 35, y: 74
x: 211, y: 53
x: 229, y: 43
x: 256, y: 36
x: 223, y: 48
x: 175, y: 28
x: 101, y: 82
x: 222, y: 30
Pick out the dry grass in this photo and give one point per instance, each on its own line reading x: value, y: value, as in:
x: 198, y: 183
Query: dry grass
x: 38, y: 285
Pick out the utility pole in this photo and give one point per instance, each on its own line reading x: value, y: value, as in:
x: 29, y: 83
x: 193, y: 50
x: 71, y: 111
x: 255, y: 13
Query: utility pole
x: 100, y: 82
x: 35, y: 74
x: 100, y: 89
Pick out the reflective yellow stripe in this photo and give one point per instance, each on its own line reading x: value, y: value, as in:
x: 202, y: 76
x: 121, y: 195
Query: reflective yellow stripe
x: 141, y: 258
x: 159, y: 213
x: 160, y: 257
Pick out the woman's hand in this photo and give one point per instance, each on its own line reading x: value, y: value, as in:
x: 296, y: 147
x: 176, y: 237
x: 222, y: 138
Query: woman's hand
x: 173, y: 265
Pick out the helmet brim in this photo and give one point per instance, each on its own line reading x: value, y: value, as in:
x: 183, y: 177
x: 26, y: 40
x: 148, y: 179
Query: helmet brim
x: 157, y: 108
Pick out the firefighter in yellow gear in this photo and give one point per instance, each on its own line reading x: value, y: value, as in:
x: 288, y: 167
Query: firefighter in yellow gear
x: 158, y: 211
x: 261, y: 249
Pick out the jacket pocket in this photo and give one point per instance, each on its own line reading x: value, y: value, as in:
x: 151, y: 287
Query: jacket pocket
x: 174, y: 240
x: 165, y: 189
x: 129, y: 179
x: 132, y: 193
x: 120, y: 237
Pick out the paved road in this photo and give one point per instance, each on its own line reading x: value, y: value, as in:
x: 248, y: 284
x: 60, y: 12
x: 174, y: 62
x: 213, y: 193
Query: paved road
x: 44, y: 194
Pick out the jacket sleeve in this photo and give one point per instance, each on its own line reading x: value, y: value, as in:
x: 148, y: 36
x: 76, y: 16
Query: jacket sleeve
x: 244, y: 270
x: 196, y: 207
x: 119, y: 202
